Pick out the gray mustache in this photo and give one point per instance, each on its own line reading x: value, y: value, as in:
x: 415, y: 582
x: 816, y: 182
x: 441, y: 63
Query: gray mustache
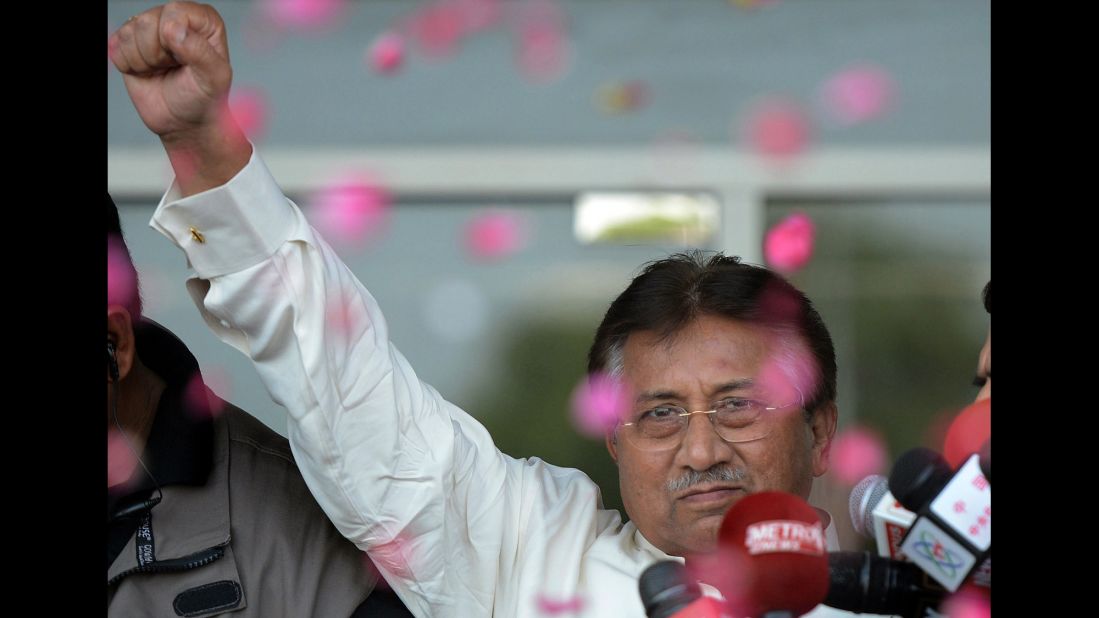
x: 716, y: 474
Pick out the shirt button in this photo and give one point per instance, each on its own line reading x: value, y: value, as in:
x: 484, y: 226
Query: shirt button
x: 198, y: 236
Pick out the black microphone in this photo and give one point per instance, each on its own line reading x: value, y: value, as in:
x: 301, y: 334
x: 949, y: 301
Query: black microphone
x: 986, y: 459
x: 952, y: 534
x: 863, y: 583
x: 668, y: 591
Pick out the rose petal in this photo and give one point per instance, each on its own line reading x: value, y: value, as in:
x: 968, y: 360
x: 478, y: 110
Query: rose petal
x: 857, y: 452
x: 788, y: 245
x: 495, y: 234
x: 248, y: 107
x: 386, y: 55
x: 304, y: 14
x: 777, y: 129
x: 599, y: 401
x: 857, y: 94
x: 121, y: 461
x: 351, y: 210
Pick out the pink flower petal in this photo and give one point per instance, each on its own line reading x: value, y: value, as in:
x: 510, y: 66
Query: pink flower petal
x: 387, y: 53
x: 542, y: 40
x: 478, y: 15
x: 727, y: 569
x: 248, y: 107
x: 788, y: 377
x: 495, y: 234
x: 789, y: 244
x: 777, y: 129
x: 598, y: 403
x: 199, y: 403
x: 857, y: 94
x: 555, y: 607
x: 304, y: 14
x: 857, y: 453
x: 351, y: 210
x: 121, y: 461
x: 396, y: 556
x: 967, y: 603
x: 437, y: 28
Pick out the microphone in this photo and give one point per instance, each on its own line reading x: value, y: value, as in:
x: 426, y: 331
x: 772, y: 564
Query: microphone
x: 986, y: 460
x: 953, y: 531
x: 968, y: 433
x: 669, y: 591
x: 868, y: 584
x: 875, y: 513
x: 780, y: 541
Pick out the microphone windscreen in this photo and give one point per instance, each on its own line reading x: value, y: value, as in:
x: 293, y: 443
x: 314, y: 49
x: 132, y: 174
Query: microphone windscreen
x: 666, y: 587
x: 781, y: 539
x: 864, y: 497
x: 968, y: 432
x: 917, y: 477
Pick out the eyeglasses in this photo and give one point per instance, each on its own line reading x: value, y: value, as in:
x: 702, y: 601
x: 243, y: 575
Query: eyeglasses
x: 734, y: 419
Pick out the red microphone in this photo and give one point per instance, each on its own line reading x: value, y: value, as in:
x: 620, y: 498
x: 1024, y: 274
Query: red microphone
x: 779, y: 541
x: 968, y: 433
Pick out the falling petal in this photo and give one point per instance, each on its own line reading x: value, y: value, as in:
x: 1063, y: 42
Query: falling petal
x: 495, y: 234
x: 350, y: 211
x: 248, y: 107
x: 437, y: 29
x: 857, y: 453
x: 543, y: 50
x: 304, y: 14
x: 121, y: 461
x: 967, y: 603
x: 555, y: 607
x: 386, y: 55
x: 599, y: 402
x: 204, y: 395
x: 857, y: 94
x: 789, y: 244
x: 777, y: 129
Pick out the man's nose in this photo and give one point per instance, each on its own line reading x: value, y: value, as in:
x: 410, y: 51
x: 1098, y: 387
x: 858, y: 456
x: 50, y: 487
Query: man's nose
x: 702, y: 448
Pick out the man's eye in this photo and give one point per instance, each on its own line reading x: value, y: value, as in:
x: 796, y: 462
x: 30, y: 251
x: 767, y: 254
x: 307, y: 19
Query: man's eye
x: 660, y: 413
x: 736, y: 404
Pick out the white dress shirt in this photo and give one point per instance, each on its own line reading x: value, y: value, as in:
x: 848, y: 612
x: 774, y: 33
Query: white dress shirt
x: 456, y: 527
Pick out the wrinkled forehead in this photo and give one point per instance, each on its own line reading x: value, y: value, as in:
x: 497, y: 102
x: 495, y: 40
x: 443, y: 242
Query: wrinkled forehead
x: 707, y: 349
x: 711, y: 353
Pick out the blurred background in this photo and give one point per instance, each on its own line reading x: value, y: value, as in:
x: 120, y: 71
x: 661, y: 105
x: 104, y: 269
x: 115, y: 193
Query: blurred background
x: 496, y: 171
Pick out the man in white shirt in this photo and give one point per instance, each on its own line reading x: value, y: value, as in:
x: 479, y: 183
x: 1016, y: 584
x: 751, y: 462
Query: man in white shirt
x: 457, y: 527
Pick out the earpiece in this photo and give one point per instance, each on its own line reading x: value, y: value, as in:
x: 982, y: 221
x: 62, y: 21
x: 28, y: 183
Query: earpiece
x: 112, y: 364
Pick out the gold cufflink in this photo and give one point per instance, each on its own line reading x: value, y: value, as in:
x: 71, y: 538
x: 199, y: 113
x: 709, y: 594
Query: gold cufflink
x: 197, y: 236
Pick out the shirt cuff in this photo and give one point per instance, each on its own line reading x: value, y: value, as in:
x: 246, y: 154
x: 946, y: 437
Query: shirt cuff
x: 228, y: 228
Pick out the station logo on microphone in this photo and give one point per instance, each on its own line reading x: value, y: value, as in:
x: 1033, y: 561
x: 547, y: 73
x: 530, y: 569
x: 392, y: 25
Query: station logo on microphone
x: 785, y: 536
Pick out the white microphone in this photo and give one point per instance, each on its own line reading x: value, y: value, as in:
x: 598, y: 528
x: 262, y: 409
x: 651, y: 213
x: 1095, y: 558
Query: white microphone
x: 877, y: 514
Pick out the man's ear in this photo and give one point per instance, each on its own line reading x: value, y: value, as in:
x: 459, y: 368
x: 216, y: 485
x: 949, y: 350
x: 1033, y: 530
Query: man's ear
x: 120, y: 332
x: 612, y: 445
x: 823, y: 427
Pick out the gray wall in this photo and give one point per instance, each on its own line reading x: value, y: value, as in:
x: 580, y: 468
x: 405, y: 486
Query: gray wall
x: 704, y: 61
